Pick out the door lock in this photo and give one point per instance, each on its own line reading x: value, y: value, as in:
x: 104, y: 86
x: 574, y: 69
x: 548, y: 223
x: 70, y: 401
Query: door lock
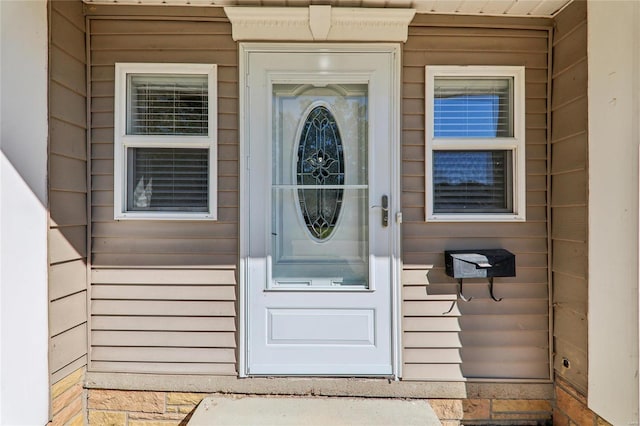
x: 385, y: 211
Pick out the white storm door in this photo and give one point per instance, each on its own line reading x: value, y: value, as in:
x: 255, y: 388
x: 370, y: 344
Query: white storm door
x: 318, y: 236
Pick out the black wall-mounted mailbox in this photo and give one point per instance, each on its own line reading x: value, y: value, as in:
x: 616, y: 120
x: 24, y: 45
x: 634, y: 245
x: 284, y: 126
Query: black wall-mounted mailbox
x: 480, y: 263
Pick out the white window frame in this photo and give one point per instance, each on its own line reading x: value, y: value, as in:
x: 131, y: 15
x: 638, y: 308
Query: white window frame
x: 123, y: 141
x: 515, y: 144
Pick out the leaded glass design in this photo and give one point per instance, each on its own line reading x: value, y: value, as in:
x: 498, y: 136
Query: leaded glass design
x: 321, y: 167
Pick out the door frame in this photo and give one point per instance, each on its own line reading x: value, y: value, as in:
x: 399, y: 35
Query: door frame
x: 393, y: 49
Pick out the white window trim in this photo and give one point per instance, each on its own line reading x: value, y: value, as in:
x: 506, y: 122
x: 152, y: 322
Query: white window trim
x: 122, y: 141
x: 516, y: 143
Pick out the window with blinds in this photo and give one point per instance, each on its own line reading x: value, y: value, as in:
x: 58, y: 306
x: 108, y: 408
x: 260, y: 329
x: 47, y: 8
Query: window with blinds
x: 475, y: 148
x: 165, y: 151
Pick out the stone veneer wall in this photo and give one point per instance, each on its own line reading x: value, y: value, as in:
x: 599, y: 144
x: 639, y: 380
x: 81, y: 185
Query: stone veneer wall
x: 67, y: 400
x: 571, y: 407
x: 455, y: 412
x: 141, y: 408
x: 147, y: 408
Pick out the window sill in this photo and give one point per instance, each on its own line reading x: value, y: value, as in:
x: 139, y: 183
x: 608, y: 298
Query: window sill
x: 164, y: 216
x: 449, y: 217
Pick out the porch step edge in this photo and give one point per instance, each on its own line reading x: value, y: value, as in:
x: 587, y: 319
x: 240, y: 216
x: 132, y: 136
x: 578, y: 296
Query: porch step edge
x: 321, y: 411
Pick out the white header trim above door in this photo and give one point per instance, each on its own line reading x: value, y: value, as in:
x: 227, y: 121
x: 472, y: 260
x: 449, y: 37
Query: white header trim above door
x: 319, y: 23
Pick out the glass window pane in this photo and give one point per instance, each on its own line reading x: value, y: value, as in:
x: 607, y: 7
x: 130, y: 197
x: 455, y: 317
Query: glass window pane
x: 347, y: 104
x: 167, y: 105
x: 300, y: 261
x: 168, y: 179
x: 320, y: 204
x: 473, y: 107
x: 472, y: 181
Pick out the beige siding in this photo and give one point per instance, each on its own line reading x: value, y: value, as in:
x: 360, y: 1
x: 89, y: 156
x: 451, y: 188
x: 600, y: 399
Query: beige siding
x: 163, y: 321
x: 163, y: 295
x: 480, y: 338
x: 569, y: 189
x: 67, y: 190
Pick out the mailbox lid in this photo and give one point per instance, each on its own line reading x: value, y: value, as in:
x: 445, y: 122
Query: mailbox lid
x: 502, y: 262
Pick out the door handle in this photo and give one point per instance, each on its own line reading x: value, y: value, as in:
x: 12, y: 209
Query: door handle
x: 385, y: 211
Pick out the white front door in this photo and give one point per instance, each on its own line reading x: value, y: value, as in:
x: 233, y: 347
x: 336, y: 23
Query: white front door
x: 318, y: 195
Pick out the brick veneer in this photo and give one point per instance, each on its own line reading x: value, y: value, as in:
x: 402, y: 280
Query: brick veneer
x: 140, y: 408
x: 67, y: 399
x: 454, y: 412
x: 571, y: 407
x: 145, y: 408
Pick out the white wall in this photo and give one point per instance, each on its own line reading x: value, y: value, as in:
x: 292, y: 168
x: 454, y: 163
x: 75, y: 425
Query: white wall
x: 24, y: 382
x: 613, y: 50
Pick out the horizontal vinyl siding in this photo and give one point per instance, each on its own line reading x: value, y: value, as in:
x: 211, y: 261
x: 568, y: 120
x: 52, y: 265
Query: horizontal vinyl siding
x: 163, y: 321
x: 149, y: 243
x: 569, y: 189
x: 163, y: 293
x: 481, y: 338
x: 67, y: 190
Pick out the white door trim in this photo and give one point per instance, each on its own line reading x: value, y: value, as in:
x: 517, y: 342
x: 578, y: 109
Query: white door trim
x: 395, y: 205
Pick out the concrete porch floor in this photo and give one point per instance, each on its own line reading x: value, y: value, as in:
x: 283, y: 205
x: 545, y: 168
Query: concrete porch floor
x: 309, y: 411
